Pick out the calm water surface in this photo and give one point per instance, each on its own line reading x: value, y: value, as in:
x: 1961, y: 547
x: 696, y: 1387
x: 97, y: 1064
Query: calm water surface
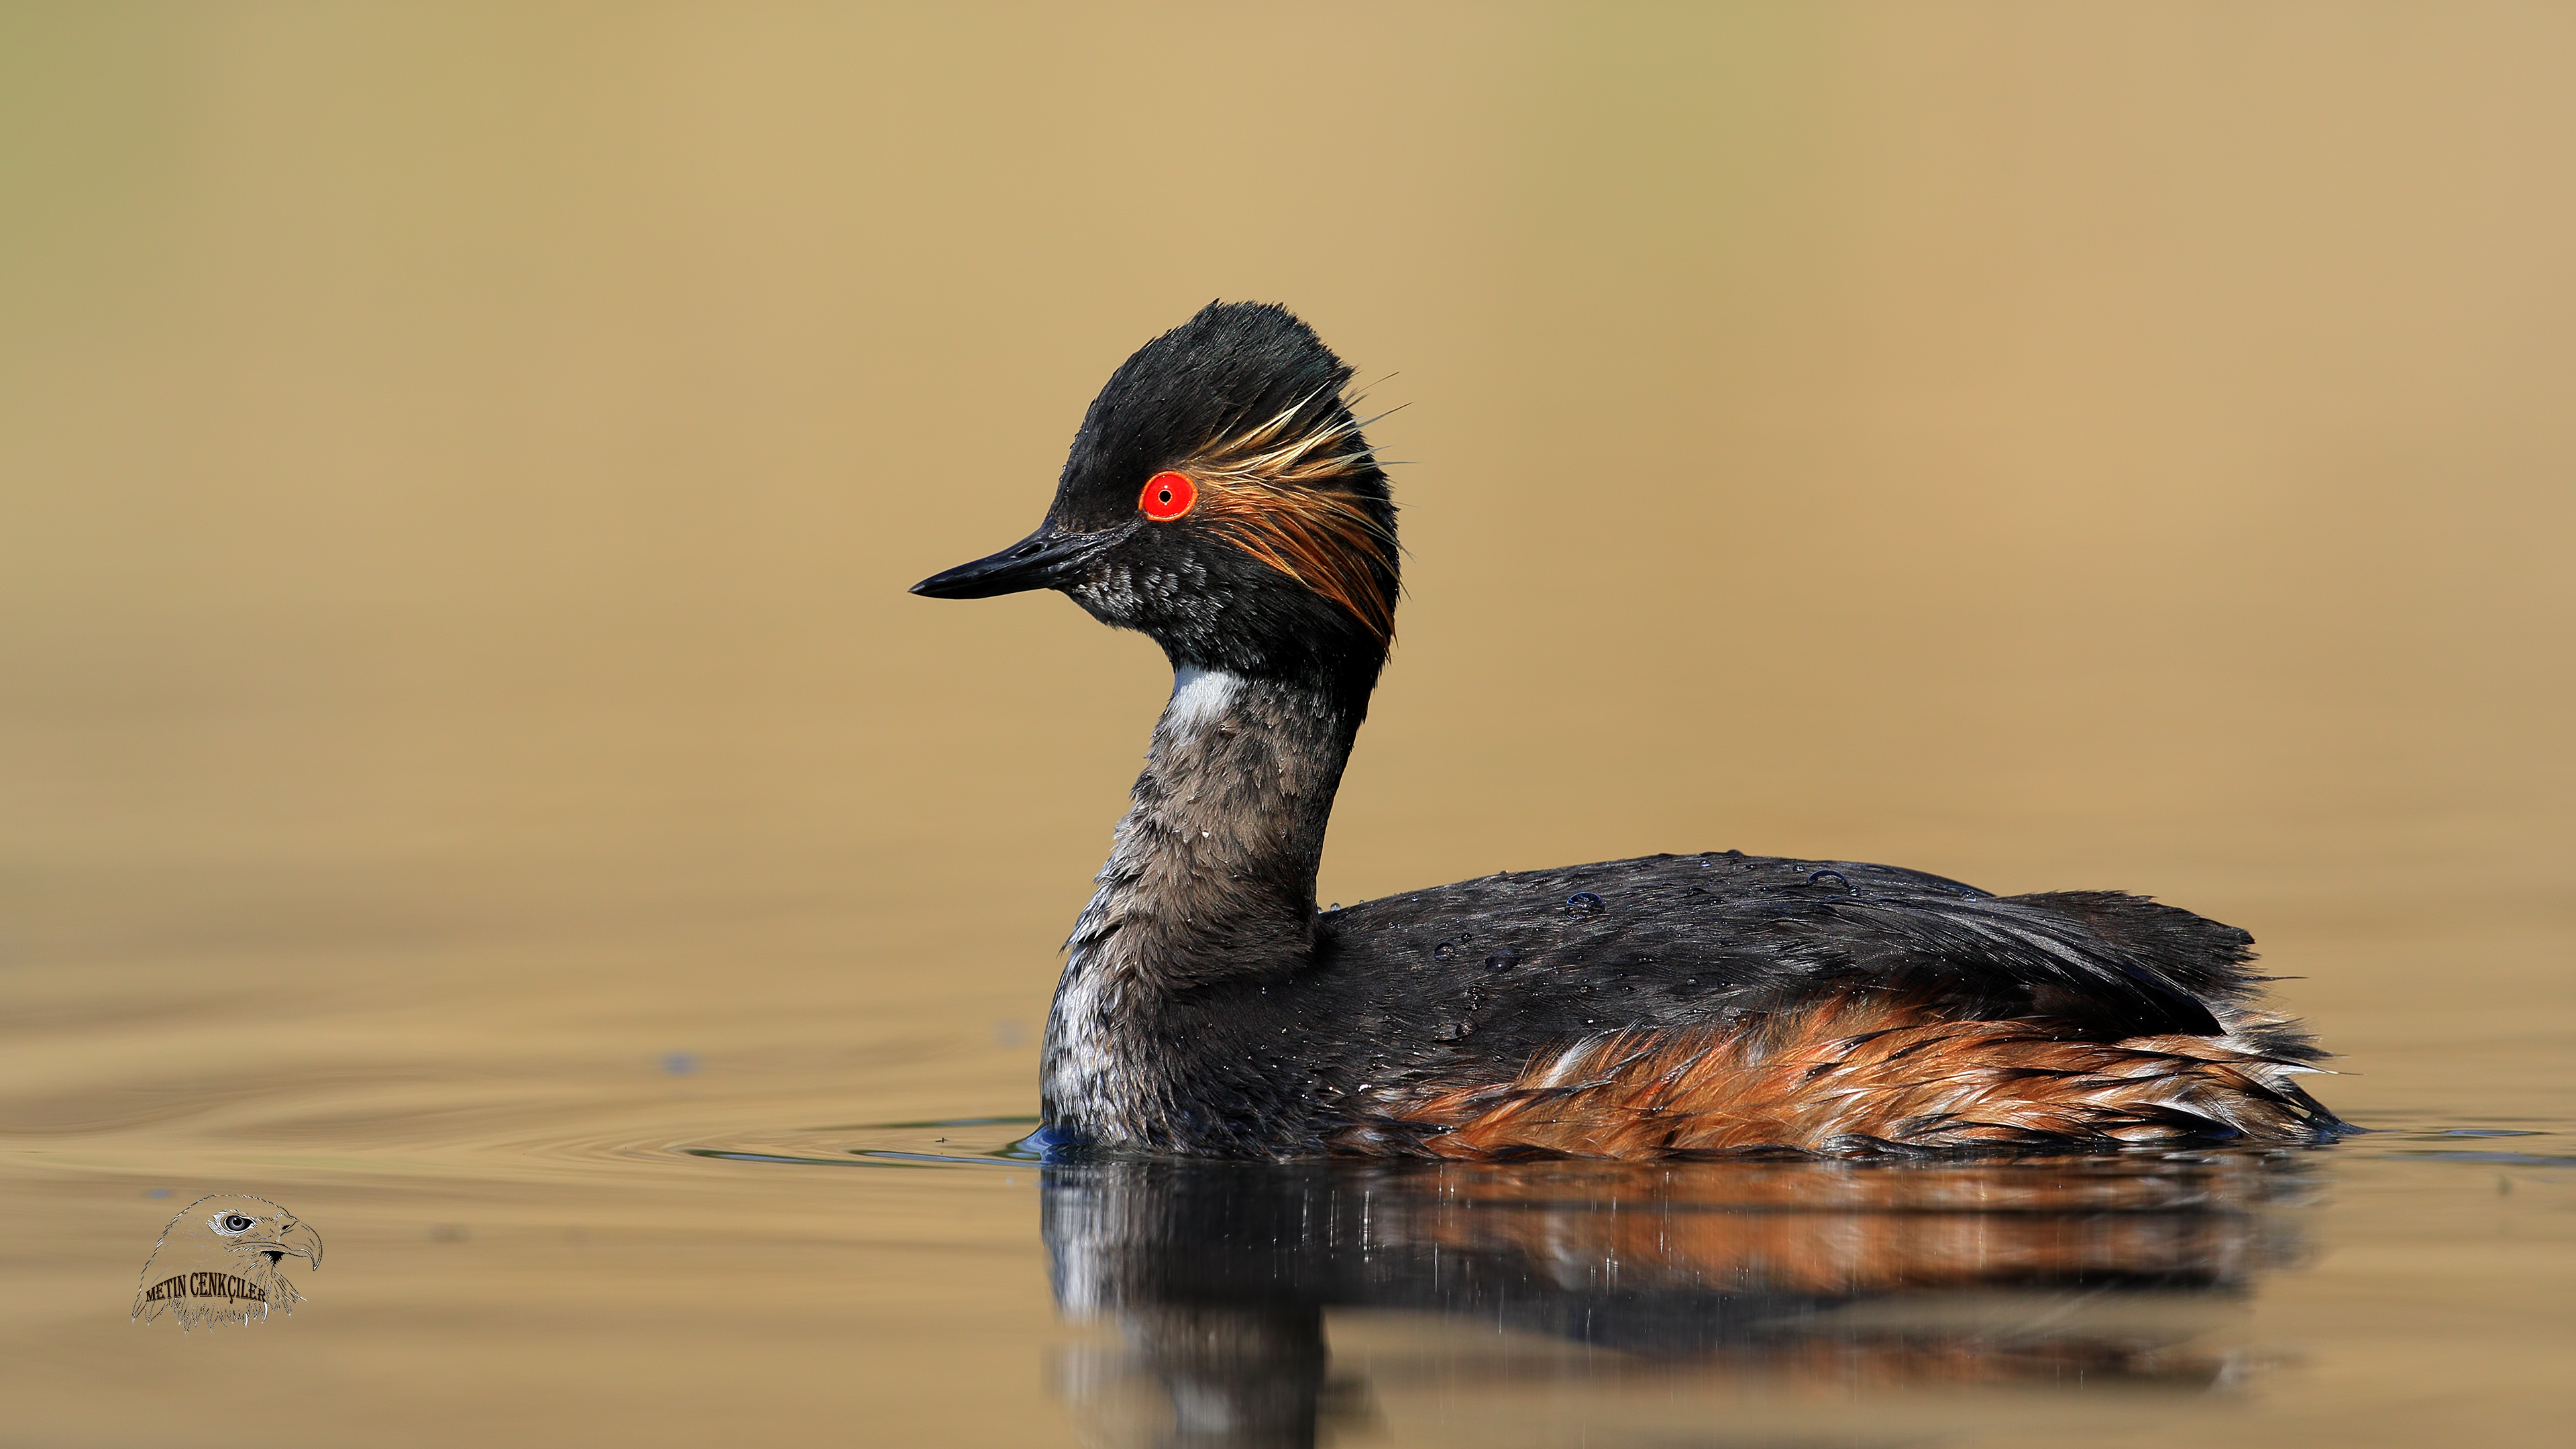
x: 670, y: 1173
x: 468, y: 772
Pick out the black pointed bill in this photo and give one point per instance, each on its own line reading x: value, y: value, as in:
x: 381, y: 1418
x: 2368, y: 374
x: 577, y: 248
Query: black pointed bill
x: 1042, y: 560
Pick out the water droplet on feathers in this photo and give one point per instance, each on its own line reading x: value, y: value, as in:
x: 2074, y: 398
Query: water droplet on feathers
x: 1583, y: 903
x: 1444, y: 950
x: 1821, y: 876
x: 1502, y: 960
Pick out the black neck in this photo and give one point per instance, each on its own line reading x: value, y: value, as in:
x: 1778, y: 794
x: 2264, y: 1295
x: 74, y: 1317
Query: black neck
x: 1211, y: 879
x: 1212, y: 874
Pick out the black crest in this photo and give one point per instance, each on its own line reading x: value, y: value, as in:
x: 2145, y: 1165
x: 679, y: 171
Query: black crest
x: 1228, y: 373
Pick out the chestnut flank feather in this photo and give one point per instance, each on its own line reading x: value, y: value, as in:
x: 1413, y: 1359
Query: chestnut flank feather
x: 1863, y: 1072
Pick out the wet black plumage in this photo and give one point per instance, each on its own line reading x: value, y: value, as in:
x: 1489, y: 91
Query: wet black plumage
x: 1430, y: 985
x: 1207, y: 1007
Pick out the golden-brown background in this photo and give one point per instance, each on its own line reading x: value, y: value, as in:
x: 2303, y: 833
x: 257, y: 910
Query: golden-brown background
x: 459, y: 466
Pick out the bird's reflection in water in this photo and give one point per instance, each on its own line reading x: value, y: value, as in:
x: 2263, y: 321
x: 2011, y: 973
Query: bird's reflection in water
x: 2051, y: 1271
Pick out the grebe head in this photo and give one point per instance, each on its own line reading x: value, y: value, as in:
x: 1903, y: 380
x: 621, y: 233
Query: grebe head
x: 1220, y: 498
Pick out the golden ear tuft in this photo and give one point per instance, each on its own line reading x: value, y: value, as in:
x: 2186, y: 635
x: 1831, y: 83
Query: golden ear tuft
x: 1280, y: 496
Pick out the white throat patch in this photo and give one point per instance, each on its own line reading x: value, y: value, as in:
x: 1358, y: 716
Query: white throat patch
x: 1200, y: 697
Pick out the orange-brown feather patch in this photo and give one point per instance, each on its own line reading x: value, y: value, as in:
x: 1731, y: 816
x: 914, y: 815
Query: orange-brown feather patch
x: 1277, y: 494
x: 1860, y: 1072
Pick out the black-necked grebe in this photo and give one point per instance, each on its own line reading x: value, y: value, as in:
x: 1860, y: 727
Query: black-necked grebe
x: 1221, y: 498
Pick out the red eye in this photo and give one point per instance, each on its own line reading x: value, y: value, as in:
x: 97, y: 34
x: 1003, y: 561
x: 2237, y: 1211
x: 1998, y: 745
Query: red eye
x: 1167, y: 496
